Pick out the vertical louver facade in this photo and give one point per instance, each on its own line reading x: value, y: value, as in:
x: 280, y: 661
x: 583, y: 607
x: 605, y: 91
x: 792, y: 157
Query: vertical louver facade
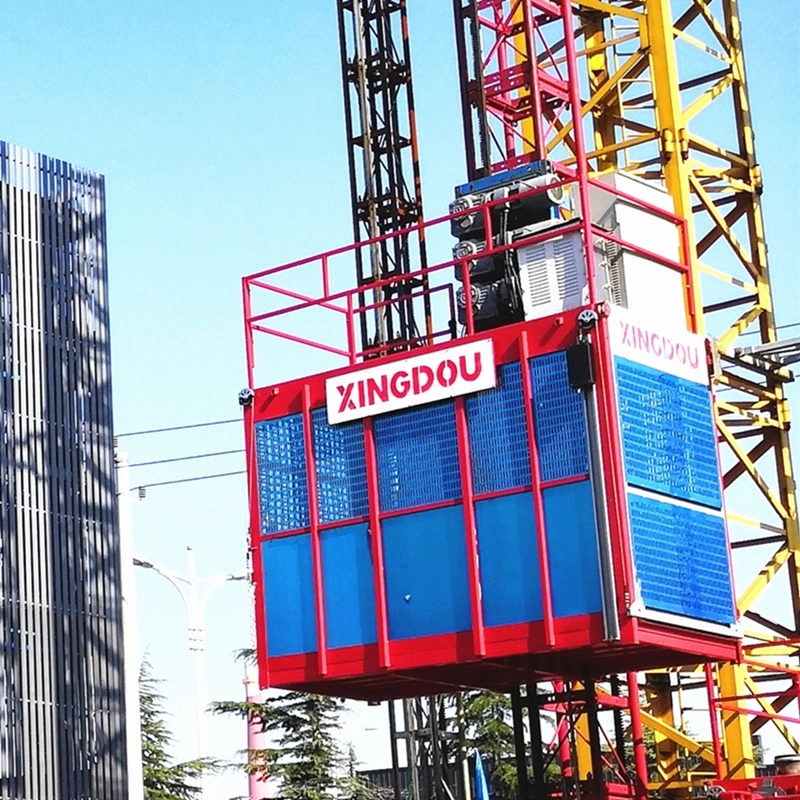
x: 62, y: 730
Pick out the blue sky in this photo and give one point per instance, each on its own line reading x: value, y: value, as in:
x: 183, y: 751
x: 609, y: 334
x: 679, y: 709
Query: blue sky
x: 219, y: 128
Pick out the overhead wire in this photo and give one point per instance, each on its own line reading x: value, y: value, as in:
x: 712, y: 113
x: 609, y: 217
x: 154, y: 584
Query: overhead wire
x: 186, y: 458
x: 180, y: 427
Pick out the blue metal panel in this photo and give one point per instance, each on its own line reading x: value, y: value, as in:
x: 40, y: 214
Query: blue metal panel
x: 417, y: 457
x: 282, y: 481
x: 681, y: 559
x: 349, y: 589
x: 572, y: 549
x: 509, y: 559
x: 341, y: 469
x: 530, y: 170
x: 289, y: 595
x: 668, y: 434
x: 427, y: 589
x: 560, y: 419
x: 498, y: 435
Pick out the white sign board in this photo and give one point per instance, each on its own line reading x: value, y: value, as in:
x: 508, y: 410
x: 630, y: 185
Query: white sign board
x: 671, y: 350
x: 415, y: 381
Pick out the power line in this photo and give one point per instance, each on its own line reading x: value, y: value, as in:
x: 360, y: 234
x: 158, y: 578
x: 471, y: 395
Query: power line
x: 777, y: 328
x: 180, y: 427
x: 185, y: 458
x: 188, y: 480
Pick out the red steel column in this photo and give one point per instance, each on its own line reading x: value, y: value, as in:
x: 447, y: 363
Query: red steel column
x: 470, y: 530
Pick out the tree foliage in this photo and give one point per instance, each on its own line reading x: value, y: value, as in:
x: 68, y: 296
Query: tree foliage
x: 163, y: 780
x: 306, y: 759
x: 490, y: 731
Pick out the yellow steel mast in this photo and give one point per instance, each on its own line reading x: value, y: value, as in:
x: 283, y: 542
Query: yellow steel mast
x: 667, y: 100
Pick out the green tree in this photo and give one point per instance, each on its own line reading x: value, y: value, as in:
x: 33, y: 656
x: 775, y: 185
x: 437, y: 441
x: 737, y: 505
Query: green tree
x: 490, y: 730
x: 163, y: 780
x: 306, y: 759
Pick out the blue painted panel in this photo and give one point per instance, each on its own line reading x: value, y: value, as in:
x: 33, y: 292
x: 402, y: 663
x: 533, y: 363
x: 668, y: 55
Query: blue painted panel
x: 341, y: 468
x: 668, y: 434
x: 289, y: 595
x: 349, y: 589
x: 282, y: 481
x: 417, y: 457
x: 427, y: 589
x: 498, y: 434
x: 560, y: 419
x: 509, y: 559
x: 681, y: 559
x: 572, y: 549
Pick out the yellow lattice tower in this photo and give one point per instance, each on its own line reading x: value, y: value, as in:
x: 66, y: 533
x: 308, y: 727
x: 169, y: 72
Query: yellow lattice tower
x: 667, y: 101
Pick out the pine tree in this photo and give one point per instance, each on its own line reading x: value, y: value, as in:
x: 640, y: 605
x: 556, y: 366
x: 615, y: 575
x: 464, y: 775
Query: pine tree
x: 306, y: 759
x: 356, y: 787
x: 162, y: 779
x: 489, y: 730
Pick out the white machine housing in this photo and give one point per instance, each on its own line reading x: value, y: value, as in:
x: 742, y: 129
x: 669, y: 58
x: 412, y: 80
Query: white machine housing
x: 553, y: 272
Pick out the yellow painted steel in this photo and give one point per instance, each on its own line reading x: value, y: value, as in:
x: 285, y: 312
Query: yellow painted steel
x: 661, y: 720
x: 640, y: 117
x: 737, y: 737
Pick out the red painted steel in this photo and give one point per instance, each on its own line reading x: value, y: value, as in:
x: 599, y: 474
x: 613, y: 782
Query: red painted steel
x: 376, y: 545
x: 502, y: 656
x: 538, y: 501
x: 716, y: 739
x: 316, y: 545
x: 470, y: 530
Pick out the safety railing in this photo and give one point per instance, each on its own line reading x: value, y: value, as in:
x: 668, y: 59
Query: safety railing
x: 270, y: 301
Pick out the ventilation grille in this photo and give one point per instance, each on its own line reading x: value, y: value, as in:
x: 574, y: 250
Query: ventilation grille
x: 417, y: 457
x: 668, y: 434
x: 553, y: 276
x: 498, y: 434
x: 560, y: 419
x: 341, y: 469
x: 282, y: 476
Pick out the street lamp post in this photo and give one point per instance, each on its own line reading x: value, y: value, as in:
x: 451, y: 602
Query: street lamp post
x: 194, y: 592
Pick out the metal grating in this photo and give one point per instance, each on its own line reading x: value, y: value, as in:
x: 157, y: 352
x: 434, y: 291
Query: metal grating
x: 681, y: 559
x: 668, y: 434
x: 341, y: 469
x: 282, y: 474
x: 498, y: 435
x: 560, y: 419
x: 417, y: 457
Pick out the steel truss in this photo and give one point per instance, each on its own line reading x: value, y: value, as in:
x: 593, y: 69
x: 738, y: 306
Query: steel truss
x: 663, y: 95
x: 386, y: 193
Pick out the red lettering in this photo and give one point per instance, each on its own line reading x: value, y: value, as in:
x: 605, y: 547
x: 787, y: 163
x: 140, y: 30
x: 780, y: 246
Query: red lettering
x: 465, y: 373
x: 656, y: 344
x: 626, y: 329
x: 694, y: 358
x: 427, y: 372
x: 445, y: 379
x: 361, y: 399
x: 381, y: 391
x: 680, y: 352
x: 346, y: 392
x: 642, y: 340
x: 400, y: 390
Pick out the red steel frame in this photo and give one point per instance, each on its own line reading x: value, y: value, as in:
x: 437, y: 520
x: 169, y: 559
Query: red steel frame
x: 497, y: 657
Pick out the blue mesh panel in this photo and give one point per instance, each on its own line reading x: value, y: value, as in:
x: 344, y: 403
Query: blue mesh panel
x: 417, y: 457
x: 341, y: 469
x: 560, y: 419
x: 668, y: 434
x: 681, y: 559
x: 282, y: 483
x: 498, y: 435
